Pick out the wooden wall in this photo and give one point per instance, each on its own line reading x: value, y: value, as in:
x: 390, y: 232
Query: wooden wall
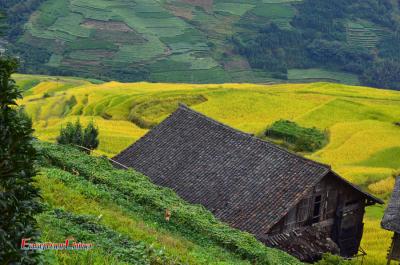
x: 333, y: 206
x: 394, y: 253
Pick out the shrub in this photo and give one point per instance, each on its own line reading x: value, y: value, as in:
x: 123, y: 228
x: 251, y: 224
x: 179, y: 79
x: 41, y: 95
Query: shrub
x: 90, y: 137
x: 329, y: 259
x: 74, y: 134
x: 302, y: 139
x: 18, y: 197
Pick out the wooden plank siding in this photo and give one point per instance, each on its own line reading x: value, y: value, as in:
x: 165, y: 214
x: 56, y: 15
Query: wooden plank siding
x: 394, y: 252
x: 334, y: 208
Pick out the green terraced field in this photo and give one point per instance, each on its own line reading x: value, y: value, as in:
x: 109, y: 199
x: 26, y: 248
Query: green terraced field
x: 363, y: 146
x: 363, y: 34
x: 167, y: 41
x: 321, y: 75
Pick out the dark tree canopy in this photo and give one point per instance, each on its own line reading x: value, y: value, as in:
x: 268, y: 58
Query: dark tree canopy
x: 19, y: 199
x: 384, y: 74
x: 317, y: 38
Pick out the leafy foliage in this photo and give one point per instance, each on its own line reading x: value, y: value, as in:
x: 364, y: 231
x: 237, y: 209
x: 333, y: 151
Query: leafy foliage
x: 18, y: 13
x: 74, y: 134
x: 303, y: 139
x: 2, y: 22
x: 329, y: 259
x: 384, y: 74
x: 319, y: 37
x: 18, y: 198
x: 273, y: 49
x: 86, y: 228
x: 136, y: 192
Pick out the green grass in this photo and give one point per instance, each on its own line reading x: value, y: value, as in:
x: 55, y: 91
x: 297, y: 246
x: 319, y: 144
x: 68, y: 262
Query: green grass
x: 196, y: 63
x: 122, y: 213
x: 71, y: 25
x: 316, y: 74
x: 275, y: 10
x: 28, y: 83
x: 50, y: 11
x: 233, y: 8
x: 85, y: 43
x: 363, y: 140
x: 387, y: 158
x: 141, y: 52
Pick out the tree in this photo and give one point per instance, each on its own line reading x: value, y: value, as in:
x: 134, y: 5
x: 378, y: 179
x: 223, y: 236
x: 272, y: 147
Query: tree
x: 74, y: 134
x: 19, y: 199
x: 2, y: 22
x: 90, y: 135
x: 382, y: 74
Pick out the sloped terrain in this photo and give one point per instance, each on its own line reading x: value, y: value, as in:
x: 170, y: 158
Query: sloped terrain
x: 135, y: 40
x: 122, y: 214
x: 171, y: 40
x: 361, y: 122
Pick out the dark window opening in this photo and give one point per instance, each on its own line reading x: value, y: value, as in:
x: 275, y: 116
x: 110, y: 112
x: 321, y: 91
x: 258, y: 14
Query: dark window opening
x: 317, y: 209
x: 351, y: 202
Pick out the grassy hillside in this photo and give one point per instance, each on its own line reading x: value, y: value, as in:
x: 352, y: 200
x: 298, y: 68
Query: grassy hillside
x: 364, y: 140
x: 122, y: 214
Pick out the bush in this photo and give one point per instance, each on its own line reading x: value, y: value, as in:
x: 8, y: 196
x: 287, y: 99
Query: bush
x: 302, y: 139
x: 329, y: 259
x: 18, y: 197
x: 74, y: 134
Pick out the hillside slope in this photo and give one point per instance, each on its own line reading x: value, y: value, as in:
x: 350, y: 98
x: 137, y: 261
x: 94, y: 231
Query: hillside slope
x: 122, y: 214
x: 210, y: 41
x: 362, y: 123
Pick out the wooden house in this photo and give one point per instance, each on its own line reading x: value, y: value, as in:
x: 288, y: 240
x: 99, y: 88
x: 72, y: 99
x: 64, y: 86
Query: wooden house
x: 391, y: 222
x: 285, y: 200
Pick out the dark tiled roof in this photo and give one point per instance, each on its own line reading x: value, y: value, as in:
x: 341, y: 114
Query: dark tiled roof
x: 249, y: 183
x: 391, y: 219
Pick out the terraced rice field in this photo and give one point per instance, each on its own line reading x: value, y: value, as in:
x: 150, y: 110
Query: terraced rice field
x: 364, y: 142
x: 162, y: 41
x: 316, y: 74
x: 363, y: 34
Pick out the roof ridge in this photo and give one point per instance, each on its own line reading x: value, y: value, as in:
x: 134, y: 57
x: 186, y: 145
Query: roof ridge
x: 186, y: 108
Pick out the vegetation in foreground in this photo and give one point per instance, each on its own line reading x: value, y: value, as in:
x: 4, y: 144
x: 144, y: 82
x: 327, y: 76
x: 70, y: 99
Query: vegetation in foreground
x: 122, y: 213
x: 364, y: 142
x: 19, y: 199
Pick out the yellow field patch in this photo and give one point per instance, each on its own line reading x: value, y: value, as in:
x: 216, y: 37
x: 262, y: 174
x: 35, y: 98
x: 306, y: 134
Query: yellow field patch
x: 360, y: 122
x: 382, y: 186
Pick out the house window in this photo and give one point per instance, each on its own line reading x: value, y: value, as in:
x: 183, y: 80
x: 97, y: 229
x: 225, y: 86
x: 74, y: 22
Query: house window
x: 317, y: 209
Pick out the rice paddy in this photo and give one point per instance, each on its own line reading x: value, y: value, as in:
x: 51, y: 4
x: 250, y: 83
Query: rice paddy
x: 364, y: 140
x: 120, y: 39
x: 363, y: 34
